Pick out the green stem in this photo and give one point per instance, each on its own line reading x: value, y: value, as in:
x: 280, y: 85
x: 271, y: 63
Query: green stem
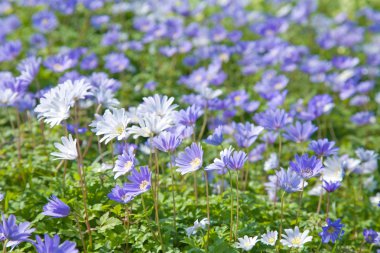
x: 237, y: 203
x: 300, y: 201
x: 208, y: 211
x: 156, y: 204
x: 80, y: 234
x: 5, y: 246
x: 232, y: 206
x: 282, y: 213
x: 173, y: 193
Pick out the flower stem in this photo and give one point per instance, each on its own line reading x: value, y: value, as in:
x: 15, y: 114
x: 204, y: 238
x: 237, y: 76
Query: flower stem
x: 237, y: 203
x: 300, y: 201
x: 328, y: 205
x: 232, y: 206
x: 208, y: 211
x: 5, y: 246
x: 195, y: 189
x: 173, y: 193
x: 282, y: 213
x: 204, y: 124
x: 80, y: 234
x: 156, y: 204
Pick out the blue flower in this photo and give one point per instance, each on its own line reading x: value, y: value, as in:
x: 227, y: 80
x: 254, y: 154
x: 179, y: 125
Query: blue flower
x: 235, y: 160
x: 216, y: 138
x: 125, y: 162
x: 272, y: 119
x: 306, y: 167
x: 331, y: 186
x: 121, y: 194
x: 332, y: 231
x: 51, y: 244
x: 300, y: 132
x: 190, y: 160
x: 139, y: 181
x: 323, y: 147
x: 56, y: 208
x: 14, y: 233
x: 189, y: 116
x: 166, y: 142
x: 246, y: 134
x: 289, y: 181
x: 370, y: 235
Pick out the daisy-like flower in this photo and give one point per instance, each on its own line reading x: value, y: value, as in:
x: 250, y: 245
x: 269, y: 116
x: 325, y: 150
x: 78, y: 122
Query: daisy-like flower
x: 235, y: 160
x: 139, y: 181
x: 56, y: 208
x: 289, y: 181
x: 333, y: 170
x: 125, y: 162
x: 246, y: 243
x: 323, y: 147
x: 306, y: 167
x: 269, y: 238
x: 150, y: 125
x: 121, y: 194
x: 68, y: 149
x: 190, y: 160
x: 219, y: 164
x: 52, y: 244
x: 300, y: 132
x: 15, y: 234
x: 216, y: 138
x: 112, y: 125
x: 332, y: 231
x: 246, y: 134
x: 166, y: 142
x: 158, y: 105
x: 197, y: 225
x: 331, y: 186
x: 294, y: 238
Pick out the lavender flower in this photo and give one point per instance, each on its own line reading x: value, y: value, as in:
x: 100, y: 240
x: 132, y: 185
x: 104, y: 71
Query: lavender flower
x: 166, y: 142
x: 332, y: 231
x: 56, y: 208
x: 121, y: 194
x: 216, y: 138
x: 246, y: 134
x: 300, y: 132
x: 370, y: 235
x: 272, y: 119
x: 306, y: 167
x: 190, y: 160
x: 323, y: 147
x: 236, y: 160
x: 14, y: 233
x: 189, y: 116
x: 289, y: 181
x: 52, y: 244
x: 44, y: 21
x: 331, y: 186
x: 125, y: 162
x: 139, y: 181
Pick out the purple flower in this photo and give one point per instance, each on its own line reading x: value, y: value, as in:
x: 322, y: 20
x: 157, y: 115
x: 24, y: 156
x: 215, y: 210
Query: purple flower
x: 14, y: 233
x: 9, y: 50
x: 332, y: 231
x: 56, y: 208
x: 151, y: 85
x: 236, y: 160
x: 289, y: 181
x: 116, y: 62
x: 246, y: 134
x: 363, y: 118
x: 190, y: 160
x: 272, y: 119
x: 306, y: 167
x: 51, y: 244
x: 344, y: 62
x: 89, y: 62
x: 189, y: 116
x: 220, y: 164
x: 60, y: 63
x: 139, y: 181
x: 331, y: 186
x: 166, y: 142
x: 317, y: 106
x: 323, y: 147
x: 44, y: 21
x: 65, y: 7
x: 300, y: 132
x: 257, y: 153
x: 216, y: 138
x: 370, y: 235
x: 125, y: 162
x: 121, y: 194
x: 38, y: 41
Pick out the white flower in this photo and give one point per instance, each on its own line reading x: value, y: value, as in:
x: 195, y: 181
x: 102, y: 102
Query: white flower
x: 112, y: 125
x: 375, y: 200
x: 295, y: 239
x: 159, y: 105
x: 104, y: 96
x: 333, y: 170
x: 271, y: 163
x: 269, y: 238
x: 316, y: 190
x: 246, y: 243
x: 150, y: 125
x: 197, y: 225
x: 68, y: 149
x: 370, y: 183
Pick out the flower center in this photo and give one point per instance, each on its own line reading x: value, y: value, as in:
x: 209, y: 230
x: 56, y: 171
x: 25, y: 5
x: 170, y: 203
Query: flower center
x: 126, y: 197
x: 119, y: 129
x: 307, y: 171
x: 128, y: 165
x: 271, y: 240
x: 237, y: 98
x: 143, y: 185
x: 331, y: 230
x: 195, y: 163
x: 58, y: 67
x: 296, y: 241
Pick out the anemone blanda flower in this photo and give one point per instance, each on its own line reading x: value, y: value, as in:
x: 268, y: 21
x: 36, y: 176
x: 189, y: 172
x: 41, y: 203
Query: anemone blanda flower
x: 235, y: 160
x: 14, y: 233
x: 272, y: 119
x: 159, y: 105
x: 332, y: 231
x: 56, y: 208
x: 125, y: 162
x: 294, y: 238
x: 370, y: 235
x: 323, y: 147
x: 139, y: 181
x: 166, y: 142
x: 300, y: 132
x: 112, y: 125
x: 246, y: 243
x: 190, y: 160
x: 197, y: 225
x: 216, y: 138
x: 333, y: 169
x: 189, y: 116
x: 121, y: 194
x: 219, y: 163
x: 150, y: 125
x: 52, y: 244
x: 67, y: 150
x: 306, y: 167
x: 289, y: 181
x: 269, y: 238
x: 331, y: 186
x: 246, y: 134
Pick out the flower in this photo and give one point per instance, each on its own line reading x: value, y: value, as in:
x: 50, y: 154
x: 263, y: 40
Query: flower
x: 116, y: 62
x: 370, y: 235
x: 197, y: 225
x: 125, y: 162
x: 300, y: 132
x: 295, y: 239
x: 166, y: 142
x: 289, y: 181
x: 333, y: 170
x: 68, y: 149
x: 14, y: 233
x: 159, y: 105
x: 246, y: 243
x: 189, y: 116
x: 306, y: 167
x: 121, y: 194
x: 51, y: 244
x: 139, y: 181
x: 272, y: 162
x: 219, y: 164
x: 112, y: 125
x: 332, y: 231
x: 44, y: 21
x: 269, y: 238
x: 272, y: 119
x: 235, y: 160
x: 323, y: 147
x: 246, y: 134
x: 216, y: 138
x: 56, y: 208
x: 190, y: 160
x: 331, y: 186
x: 150, y: 124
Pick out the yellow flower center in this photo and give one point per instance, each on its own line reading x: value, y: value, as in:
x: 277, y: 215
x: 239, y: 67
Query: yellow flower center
x: 143, y: 185
x: 195, y: 163
x: 58, y: 67
x: 128, y: 165
x: 271, y: 240
x: 237, y: 98
x: 119, y: 129
x: 296, y: 241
